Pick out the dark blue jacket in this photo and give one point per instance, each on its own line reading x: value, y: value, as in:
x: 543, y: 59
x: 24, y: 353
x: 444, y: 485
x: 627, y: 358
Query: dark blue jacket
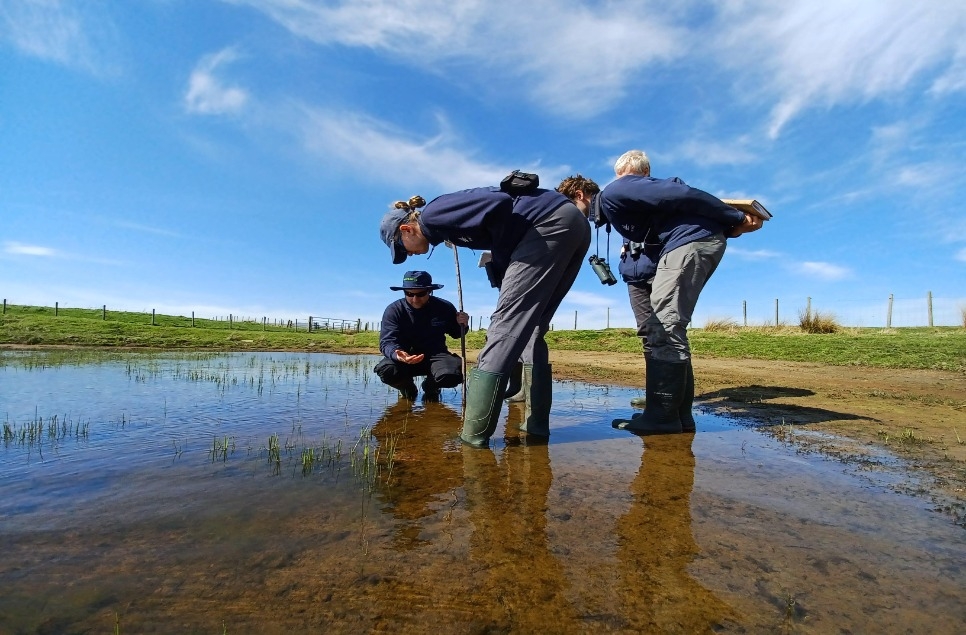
x: 665, y: 211
x: 486, y: 218
x: 637, y: 264
x: 418, y: 331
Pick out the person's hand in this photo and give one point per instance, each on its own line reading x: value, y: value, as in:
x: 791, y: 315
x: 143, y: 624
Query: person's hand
x: 751, y: 223
x: 406, y: 358
x: 463, y: 319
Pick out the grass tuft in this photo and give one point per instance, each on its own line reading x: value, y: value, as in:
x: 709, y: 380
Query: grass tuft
x: 718, y: 325
x: 817, y: 322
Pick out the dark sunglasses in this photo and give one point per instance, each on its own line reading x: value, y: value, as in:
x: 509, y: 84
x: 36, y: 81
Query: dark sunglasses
x: 415, y: 294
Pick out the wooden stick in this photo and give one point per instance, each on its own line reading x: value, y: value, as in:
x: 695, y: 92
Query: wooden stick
x: 459, y: 293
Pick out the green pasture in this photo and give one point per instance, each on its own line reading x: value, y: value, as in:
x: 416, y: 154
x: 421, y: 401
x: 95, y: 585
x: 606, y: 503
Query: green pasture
x: 942, y: 348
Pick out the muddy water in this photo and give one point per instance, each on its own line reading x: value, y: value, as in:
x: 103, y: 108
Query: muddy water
x: 157, y: 505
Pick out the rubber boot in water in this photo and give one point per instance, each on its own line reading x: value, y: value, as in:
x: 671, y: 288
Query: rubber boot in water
x: 665, y: 391
x: 483, y: 402
x: 538, y: 388
x: 687, y: 400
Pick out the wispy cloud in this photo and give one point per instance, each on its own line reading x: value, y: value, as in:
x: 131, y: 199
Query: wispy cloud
x: 207, y: 94
x: 20, y: 249
x: 816, y: 54
x: 17, y: 249
x: 148, y: 229
x: 69, y: 33
x: 961, y: 255
x: 357, y: 140
x: 751, y: 254
x: 572, y: 58
x: 824, y: 270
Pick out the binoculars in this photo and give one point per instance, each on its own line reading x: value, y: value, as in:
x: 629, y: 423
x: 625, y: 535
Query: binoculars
x: 602, y: 269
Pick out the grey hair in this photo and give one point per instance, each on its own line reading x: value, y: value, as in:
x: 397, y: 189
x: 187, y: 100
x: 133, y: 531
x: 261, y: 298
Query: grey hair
x: 632, y: 162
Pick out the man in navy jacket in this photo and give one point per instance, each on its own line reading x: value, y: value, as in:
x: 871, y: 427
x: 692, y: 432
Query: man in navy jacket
x: 413, y: 339
x: 686, y: 228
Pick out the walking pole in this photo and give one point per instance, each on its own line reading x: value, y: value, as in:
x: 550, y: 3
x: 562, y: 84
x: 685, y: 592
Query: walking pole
x: 459, y: 293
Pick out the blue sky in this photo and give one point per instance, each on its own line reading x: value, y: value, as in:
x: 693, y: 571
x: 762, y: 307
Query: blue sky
x: 236, y: 156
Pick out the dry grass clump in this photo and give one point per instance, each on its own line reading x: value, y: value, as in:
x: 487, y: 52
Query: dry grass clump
x: 817, y: 322
x: 719, y: 325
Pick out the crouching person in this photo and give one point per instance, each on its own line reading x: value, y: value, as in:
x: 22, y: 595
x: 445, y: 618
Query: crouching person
x: 413, y: 339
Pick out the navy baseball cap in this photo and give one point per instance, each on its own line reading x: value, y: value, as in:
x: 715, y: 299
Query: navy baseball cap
x: 389, y: 232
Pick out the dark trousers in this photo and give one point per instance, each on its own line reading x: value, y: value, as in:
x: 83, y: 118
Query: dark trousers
x: 445, y: 369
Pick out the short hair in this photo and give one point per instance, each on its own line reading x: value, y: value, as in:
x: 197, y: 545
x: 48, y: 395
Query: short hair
x: 573, y: 184
x: 632, y: 162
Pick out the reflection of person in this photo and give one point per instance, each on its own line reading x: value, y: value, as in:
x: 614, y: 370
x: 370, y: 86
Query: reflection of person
x: 656, y: 546
x: 521, y: 585
x: 687, y: 227
x: 537, y: 240
x: 423, y: 470
x: 413, y: 339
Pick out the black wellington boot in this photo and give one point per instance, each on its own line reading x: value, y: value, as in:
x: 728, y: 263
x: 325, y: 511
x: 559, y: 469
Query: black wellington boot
x: 515, y: 389
x: 665, y: 391
x: 687, y: 400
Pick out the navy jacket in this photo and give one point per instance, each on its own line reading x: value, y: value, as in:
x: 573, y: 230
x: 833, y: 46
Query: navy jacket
x: 418, y: 331
x: 486, y: 218
x: 664, y: 211
x: 637, y: 263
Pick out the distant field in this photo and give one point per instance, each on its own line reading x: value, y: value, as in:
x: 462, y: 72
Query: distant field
x: 940, y: 348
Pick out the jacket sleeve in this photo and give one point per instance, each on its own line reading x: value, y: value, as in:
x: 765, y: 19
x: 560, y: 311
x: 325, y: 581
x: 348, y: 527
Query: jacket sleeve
x: 389, y: 334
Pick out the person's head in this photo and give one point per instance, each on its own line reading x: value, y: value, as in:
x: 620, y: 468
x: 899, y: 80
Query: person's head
x: 580, y: 190
x: 400, y: 230
x: 417, y: 287
x: 632, y: 162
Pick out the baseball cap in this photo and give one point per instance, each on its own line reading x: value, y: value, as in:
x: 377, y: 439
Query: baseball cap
x: 389, y: 232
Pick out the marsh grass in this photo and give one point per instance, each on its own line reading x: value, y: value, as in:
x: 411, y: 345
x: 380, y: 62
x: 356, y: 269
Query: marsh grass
x: 817, y: 322
x: 962, y: 315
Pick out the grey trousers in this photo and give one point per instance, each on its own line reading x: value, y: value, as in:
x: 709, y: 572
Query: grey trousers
x: 640, y: 297
x: 681, y: 275
x: 543, y: 267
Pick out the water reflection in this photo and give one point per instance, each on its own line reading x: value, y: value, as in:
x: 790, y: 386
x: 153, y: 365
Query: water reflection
x: 656, y: 545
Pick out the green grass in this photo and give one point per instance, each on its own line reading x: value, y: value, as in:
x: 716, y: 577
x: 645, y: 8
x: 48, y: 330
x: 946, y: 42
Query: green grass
x: 942, y: 348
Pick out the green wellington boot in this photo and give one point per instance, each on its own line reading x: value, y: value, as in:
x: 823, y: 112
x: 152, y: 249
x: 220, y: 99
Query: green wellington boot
x: 538, y: 388
x: 483, y: 403
x: 514, y: 390
x: 665, y: 392
x: 687, y: 400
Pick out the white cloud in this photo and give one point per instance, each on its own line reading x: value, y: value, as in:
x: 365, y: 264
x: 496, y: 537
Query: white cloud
x: 961, y: 255
x: 364, y: 142
x: 816, y: 54
x: 570, y: 57
x: 206, y: 94
x: 824, y: 270
x: 751, y: 254
x: 68, y: 33
x: 20, y: 249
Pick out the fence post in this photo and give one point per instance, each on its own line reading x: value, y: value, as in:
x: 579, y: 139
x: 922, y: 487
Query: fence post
x: 56, y: 308
x: 263, y: 322
x: 889, y: 313
x: 310, y: 324
x: 776, y: 311
x: 808, y: 306
x: 229, y: 321
x: 744, y: 311
x: 358, y: 325
x: 152, y: 317
x: 192, y: 319
x: 4, y: 306
x: 929, y: 300
x: 575, y: 320
x: 104, y: 312
x: 608, y: 317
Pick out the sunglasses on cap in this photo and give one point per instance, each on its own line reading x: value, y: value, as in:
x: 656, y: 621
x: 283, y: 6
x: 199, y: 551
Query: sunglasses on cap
x: 415, y: 294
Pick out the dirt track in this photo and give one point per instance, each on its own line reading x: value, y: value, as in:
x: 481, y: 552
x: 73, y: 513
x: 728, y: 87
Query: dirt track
x: 918, y: 415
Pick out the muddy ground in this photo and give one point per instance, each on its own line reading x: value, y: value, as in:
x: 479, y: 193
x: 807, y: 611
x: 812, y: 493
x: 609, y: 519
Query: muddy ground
x: 918, y: 415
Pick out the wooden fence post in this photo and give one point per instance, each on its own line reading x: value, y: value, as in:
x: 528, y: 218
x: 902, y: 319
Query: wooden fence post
x: 104, y: 312
x: 56, y: 308
x: 929, y: 301
x: 152, y: 318
x: 744, y: 311
x: 889, y: 313
x: 776, y: 311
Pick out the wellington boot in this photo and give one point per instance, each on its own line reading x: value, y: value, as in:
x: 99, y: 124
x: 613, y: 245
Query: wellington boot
x: 430, y: 389
x: 514, y: 389
x: 483, y: 403
x: 538, y: 388
x: 665, y: 391
x: 687, y: 400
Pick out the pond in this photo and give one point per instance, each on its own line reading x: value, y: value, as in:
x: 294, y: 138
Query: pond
x: 293, y: 492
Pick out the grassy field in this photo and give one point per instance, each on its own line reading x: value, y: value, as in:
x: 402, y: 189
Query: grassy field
x: 940, y: 348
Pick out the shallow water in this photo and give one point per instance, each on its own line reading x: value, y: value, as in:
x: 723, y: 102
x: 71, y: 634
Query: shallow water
x: 157, y: 505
